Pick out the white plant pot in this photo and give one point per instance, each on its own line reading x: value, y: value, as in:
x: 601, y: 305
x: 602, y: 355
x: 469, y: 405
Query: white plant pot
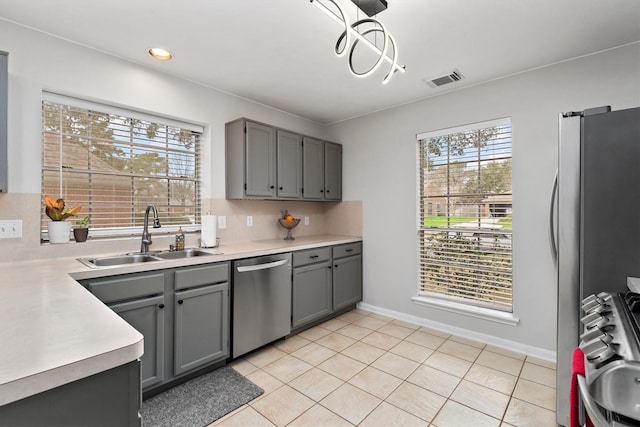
x: 59, y: 231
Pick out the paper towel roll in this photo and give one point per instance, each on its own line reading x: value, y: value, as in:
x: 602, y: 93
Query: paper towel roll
x: 208, y: 234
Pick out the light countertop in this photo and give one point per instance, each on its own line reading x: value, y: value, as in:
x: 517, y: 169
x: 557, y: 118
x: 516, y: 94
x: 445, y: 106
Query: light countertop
x: 54, y: 331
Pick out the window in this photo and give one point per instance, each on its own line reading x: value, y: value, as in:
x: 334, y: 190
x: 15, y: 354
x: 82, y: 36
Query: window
x: 465, y: 247
x: 115, y: 162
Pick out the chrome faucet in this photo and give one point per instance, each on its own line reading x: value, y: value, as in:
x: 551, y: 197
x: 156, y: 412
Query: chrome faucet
x: 146, y: 236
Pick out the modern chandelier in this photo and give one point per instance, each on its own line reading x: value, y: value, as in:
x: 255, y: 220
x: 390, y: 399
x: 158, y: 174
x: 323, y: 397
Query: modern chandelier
x: 356, y: 33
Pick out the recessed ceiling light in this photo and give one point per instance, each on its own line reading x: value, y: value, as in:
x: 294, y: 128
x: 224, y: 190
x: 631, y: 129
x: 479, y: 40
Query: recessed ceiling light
x: 159, y: 53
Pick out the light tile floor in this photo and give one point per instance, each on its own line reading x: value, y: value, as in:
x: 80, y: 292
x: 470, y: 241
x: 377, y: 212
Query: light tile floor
x: 365, y: 369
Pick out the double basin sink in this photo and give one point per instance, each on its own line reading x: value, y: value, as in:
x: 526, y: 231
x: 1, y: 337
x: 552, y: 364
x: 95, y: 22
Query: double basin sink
x: 136, y: 257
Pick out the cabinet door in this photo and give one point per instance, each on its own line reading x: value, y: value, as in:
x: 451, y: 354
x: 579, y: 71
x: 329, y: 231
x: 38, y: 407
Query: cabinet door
x: 147, y: 317
x: 347, y: 281
x: 4, y: 147
x: 332, y: 171
x: 260, y: 168
x: 312, y: 169
x: 289, y: 165
x: 201, y: 327
x: 311, y: 293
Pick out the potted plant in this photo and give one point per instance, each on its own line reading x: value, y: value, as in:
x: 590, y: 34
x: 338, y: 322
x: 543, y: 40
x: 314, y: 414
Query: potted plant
x: 81, y: 230
x: 58, y: 229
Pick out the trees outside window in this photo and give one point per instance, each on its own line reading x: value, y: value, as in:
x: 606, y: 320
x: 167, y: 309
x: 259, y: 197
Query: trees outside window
x: 465, y: 248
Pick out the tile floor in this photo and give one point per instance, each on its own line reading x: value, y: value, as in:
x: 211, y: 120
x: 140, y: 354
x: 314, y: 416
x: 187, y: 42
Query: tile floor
x: 365, y: 369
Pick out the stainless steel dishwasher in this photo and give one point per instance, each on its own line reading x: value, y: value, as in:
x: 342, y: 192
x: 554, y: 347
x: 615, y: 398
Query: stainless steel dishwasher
x: 261, y: 301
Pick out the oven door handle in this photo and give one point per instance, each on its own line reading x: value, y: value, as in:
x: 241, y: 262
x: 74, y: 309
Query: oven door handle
x: 590, y: 405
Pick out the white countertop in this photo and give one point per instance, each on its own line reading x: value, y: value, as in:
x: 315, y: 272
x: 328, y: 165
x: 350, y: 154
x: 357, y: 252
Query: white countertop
x: 54, y: 331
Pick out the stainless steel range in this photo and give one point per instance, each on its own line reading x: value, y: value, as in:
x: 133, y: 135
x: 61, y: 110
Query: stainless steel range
x: 610, y: 389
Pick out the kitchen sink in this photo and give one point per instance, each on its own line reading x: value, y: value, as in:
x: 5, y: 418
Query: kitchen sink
x: 117, y: 260
x: 187, y: 253
x: 136, y: 257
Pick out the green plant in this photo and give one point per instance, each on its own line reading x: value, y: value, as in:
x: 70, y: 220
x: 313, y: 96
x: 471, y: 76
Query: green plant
x: 84, y: 221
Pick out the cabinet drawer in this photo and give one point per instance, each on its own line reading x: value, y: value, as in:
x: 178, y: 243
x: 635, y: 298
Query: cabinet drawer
x: 347, y: 250
x: 203, y: 275
x: 125, y: 288
x: 311, y: 256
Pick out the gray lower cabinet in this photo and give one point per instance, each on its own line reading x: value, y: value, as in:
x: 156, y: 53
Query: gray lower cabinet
x: 183, y: 314
x: 325, y: 281
x: 139, y: 299
x: 347, y: 275
x: 108, y: 398
x: 311, y: 286
x: 201, y: 327
x: 147, y: 316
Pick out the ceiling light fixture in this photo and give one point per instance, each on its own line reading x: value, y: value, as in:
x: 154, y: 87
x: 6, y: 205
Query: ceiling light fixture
x: 159, y: 53
x: 353, y: 32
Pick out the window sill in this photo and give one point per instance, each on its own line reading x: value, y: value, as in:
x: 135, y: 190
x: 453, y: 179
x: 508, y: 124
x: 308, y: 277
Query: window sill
x: 468, y: 310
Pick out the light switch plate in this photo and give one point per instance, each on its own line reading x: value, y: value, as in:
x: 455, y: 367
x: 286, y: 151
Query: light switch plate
x: 249, y: 221
x: 306, y: 220
x: 222, y: 222
x: 10, y: 229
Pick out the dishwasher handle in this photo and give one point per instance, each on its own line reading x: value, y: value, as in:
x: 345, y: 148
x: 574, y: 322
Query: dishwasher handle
x: 265, y: 266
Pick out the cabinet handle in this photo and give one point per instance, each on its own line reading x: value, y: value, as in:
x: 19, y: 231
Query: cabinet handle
x: 336, y: 266
x: 272, y: 187
x: 322, y: 191
x: 348, y: 250
x: 280, y: 188
x: 180, y: 301
x: 313, y: 256
x: 328, y: 191
x: 161, y: 306
x: 329, y: 267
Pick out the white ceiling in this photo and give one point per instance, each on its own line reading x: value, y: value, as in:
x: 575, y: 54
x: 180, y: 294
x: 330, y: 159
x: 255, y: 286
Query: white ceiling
x: 280, y: 52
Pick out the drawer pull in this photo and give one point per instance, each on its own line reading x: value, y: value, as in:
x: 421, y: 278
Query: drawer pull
x: 313, y: 256
x: 180, y: 301
x: 160, y: 306
x: 348, y: 250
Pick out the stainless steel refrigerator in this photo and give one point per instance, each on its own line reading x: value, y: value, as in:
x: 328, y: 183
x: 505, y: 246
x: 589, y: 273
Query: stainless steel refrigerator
x: 594, y: 220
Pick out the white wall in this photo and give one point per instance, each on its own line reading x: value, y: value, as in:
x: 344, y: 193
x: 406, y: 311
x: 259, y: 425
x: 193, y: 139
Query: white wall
x: 380, y: 167
x: 39, y: 62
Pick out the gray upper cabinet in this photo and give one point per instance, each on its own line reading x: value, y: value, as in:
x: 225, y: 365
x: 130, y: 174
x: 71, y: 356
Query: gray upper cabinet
x: 332, y: 171
x: 313, y: 169
x: 264, y: 162
x: 4, y: 88
x: 261, y: 160
x: 289, y: 165
x: 250, y: 160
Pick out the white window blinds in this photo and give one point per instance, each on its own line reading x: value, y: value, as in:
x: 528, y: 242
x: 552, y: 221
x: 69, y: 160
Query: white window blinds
x: 115, y: 162
x: 464, y: 211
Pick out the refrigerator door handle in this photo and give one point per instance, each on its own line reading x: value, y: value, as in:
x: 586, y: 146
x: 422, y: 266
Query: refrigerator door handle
x: 552, y: 229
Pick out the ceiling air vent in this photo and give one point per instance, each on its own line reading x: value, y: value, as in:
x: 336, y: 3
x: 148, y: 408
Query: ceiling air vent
x: 451, y: 77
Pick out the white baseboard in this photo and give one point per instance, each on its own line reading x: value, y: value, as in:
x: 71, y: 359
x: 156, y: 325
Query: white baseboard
x: 525, y: 349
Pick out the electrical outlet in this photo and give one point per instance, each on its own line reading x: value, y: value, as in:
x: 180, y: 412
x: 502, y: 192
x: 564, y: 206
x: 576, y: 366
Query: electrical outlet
x: 222, y: 222
x: 249, y: 221
x: 11, y: 229
x: 306, y: 220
